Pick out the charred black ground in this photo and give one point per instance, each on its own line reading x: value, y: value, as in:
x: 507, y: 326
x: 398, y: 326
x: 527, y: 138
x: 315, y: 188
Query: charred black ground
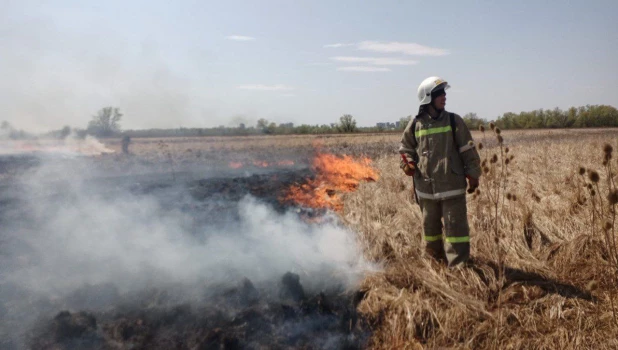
x: 240, y: 315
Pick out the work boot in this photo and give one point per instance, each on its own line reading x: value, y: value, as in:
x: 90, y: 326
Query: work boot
x: 435, y: 250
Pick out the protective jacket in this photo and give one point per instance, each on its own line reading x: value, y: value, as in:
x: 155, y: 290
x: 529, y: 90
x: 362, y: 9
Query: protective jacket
x: 444, y: 153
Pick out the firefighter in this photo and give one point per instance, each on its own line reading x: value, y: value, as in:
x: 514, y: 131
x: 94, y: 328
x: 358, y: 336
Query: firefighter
x: 438, y: 152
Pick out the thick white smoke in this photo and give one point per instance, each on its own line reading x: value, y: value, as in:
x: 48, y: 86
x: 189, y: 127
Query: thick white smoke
x: 74, y: 231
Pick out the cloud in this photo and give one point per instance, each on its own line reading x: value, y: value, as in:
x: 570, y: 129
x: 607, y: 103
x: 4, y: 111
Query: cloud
x: 337, y: 45
x: 276, y: 87
x: 404, y: 48
x: 240, y: 38
x: 377, y: 61
x: 363, y: 69
x: 319, y: 64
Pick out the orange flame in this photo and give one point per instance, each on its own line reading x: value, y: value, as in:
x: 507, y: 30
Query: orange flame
x: 335, y: 175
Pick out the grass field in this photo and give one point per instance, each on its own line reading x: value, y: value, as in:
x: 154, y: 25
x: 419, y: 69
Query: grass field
x: 543, y: 240
x: 545, y: 259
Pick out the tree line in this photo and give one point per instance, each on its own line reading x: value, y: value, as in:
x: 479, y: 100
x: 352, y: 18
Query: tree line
x: 107, y: 123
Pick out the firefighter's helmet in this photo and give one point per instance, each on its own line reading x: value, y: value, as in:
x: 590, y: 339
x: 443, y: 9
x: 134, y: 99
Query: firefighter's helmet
x: 428, y: 86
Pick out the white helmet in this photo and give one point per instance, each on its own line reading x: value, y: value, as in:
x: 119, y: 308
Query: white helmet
x: 427, y: 86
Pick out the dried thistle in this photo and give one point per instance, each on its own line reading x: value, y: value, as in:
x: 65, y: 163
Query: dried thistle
x: 608, y: 149
x: 593, y: 192
x: 514, y: 197
x: 589, y: 186
x: 484, y: 162
x: 608, y: 226
x: 508, y: 196
x: 477, y: 192
x: 507, y: 161
x: 506, y: 150
x: 486, y: 169
x: 492, y: 126
x: 494, y: 158
x: 593, y: 176
x: 582, y: 170
x: 497, y: 130
x: 500, y: 139
x: 612, y: 197
x: 481, y: 128
x: 480, y: 146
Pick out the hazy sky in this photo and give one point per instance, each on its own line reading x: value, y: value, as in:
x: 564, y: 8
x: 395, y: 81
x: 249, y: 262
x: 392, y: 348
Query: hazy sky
x: 209, y: 63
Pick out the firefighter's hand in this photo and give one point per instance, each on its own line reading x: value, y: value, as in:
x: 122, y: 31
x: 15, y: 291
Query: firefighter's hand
x: 473, y: 184
x: 409, y: 169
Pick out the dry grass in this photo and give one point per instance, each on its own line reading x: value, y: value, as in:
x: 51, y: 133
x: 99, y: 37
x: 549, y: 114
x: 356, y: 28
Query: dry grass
x: 558, y: 284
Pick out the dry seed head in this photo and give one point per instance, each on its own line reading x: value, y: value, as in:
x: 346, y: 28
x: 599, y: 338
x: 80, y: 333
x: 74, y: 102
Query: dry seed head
x: 589, y: 186
x: 500, y: 139
x: 607, y: 149
x: 480, y: 146
x: 481, y: 128
x: 582, y: 171
x: 514, y: 197
x: 593, y: 192
x: 497, y: 130
x: 492, y: 126
x: 484, y: 162
x: 593, y: 176
x: 507, y: 161
x: 508, y: 196
x: 612, y: 197
x: 477, y: 192
x: 494, y: 158
x: 506, y: 150
x: 485, y: 169
x: 607, y: 226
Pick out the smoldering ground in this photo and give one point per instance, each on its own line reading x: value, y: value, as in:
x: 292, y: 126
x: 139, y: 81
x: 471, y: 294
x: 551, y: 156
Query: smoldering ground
x: 214, y: 247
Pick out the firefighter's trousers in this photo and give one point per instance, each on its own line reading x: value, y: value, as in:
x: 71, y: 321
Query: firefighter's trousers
x: 452, y: 215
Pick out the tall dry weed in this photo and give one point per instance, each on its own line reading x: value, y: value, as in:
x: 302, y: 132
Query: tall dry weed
x: 540, y: 278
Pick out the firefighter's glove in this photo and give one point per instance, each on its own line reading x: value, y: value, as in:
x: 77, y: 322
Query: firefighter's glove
x: 473, y: 184
x: 408, y: 168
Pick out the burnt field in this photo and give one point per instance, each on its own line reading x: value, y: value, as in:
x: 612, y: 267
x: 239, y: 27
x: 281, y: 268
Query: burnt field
x: 304, y: 242
x: 169, y: 251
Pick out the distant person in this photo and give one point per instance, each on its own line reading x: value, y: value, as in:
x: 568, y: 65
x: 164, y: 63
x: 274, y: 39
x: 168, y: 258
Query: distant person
x: 438, y: 152
x: 126, y: 141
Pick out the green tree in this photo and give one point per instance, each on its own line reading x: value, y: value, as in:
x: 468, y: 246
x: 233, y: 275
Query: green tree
x: 106, y: 123
x: 403, y: 122
x: 347, y: 123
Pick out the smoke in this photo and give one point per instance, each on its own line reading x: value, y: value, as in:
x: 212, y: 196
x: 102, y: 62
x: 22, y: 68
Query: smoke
x: 62, y: 230
x: 60, y: 71
x: 71, y: 146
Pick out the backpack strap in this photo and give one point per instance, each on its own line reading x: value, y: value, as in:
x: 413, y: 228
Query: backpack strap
x: 453, y: 128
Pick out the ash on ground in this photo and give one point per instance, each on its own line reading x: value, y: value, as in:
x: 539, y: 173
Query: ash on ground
x: 157, y: 260
x: 242, y: 317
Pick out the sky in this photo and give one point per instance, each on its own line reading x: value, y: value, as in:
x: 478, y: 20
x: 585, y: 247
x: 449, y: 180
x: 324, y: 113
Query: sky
x: 169, y: 64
